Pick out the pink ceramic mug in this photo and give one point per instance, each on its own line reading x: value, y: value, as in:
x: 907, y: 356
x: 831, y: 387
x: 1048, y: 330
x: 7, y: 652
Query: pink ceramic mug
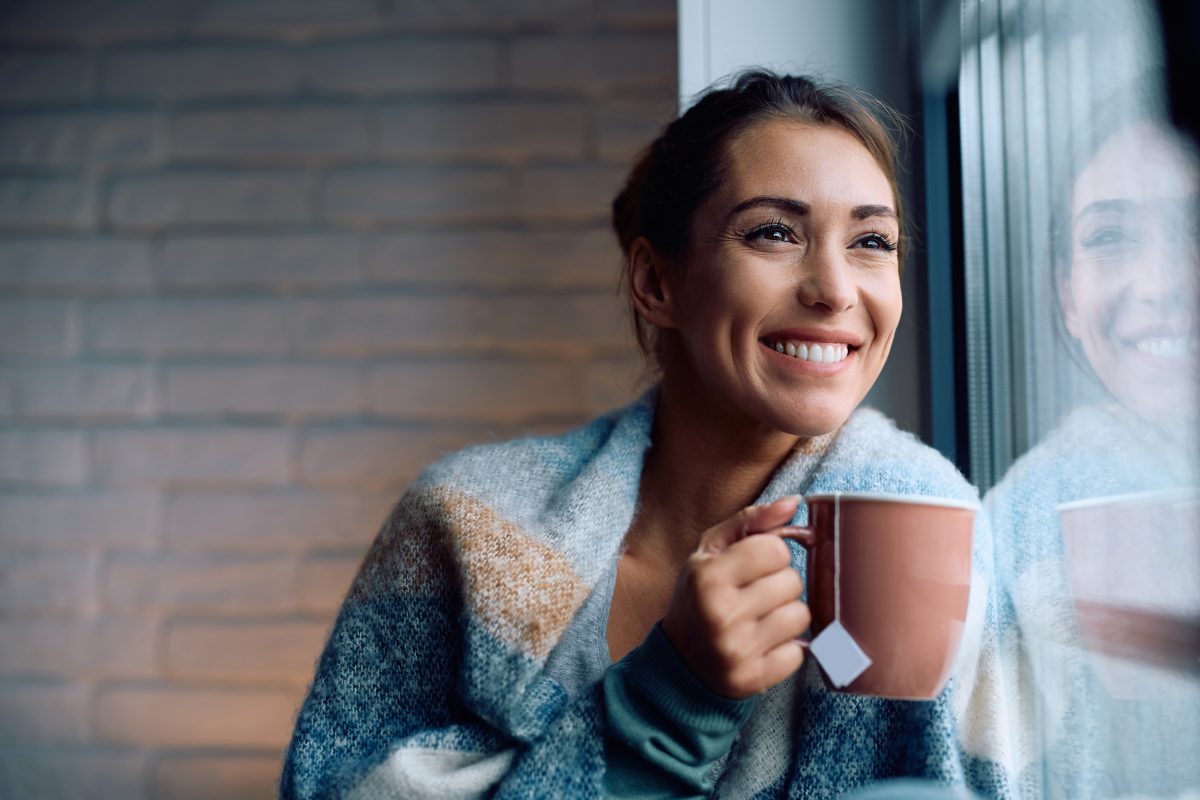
x: 894, y: 571
x: 1133, y: 562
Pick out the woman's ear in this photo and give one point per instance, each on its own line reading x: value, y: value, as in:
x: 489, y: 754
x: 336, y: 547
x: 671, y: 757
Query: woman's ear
x: 649, y: 284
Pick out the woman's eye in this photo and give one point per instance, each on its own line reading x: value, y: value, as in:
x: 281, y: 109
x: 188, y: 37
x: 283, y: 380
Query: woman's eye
x: 875, y: 241
x: 774, y: 232
x: 1108, y: 236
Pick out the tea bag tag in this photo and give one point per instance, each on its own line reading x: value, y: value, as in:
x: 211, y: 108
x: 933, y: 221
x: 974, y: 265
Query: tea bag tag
x: 839, y: 655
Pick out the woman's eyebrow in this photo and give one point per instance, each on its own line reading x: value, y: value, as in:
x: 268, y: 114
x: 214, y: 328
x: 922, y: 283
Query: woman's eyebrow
x: 797, y: 207
x: 868, y: 211
x: 1120, y: 205
x: 800, y: 208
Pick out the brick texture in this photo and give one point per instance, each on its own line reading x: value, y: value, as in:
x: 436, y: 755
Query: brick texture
x: 261, y: 262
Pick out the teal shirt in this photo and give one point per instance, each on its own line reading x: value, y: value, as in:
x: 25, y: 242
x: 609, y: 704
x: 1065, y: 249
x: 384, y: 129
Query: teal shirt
x: 667, y: 732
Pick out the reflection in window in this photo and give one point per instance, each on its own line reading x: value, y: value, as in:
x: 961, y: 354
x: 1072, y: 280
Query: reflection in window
x: 1080, y: 207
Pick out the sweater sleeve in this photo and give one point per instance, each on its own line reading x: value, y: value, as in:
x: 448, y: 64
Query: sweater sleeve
x: 666, y: 730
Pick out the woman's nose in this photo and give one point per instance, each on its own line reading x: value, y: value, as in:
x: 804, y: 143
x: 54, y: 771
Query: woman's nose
x: 1166, y: 273
x: 826, y: 281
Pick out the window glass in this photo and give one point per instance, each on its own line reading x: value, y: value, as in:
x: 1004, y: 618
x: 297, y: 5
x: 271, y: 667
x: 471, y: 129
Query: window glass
x: 1080, y: 238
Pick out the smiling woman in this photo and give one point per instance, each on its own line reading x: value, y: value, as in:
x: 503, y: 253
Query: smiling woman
x: 616, y: 611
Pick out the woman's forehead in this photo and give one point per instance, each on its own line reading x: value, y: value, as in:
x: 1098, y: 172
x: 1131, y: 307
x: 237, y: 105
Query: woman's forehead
x: 1141, y: 163
x: 813, y: 164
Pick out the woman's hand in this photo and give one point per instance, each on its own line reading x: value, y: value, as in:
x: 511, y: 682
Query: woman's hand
x: 735, y: 614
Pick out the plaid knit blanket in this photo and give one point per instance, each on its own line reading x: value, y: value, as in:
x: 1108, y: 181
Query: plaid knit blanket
x: 433, y: 682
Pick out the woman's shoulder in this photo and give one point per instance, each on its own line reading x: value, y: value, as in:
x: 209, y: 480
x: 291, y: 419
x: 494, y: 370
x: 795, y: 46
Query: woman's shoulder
x: 526, y: 463
x: 871, y: 454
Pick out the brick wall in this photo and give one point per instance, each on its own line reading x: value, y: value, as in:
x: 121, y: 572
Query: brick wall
x: 260, y: 261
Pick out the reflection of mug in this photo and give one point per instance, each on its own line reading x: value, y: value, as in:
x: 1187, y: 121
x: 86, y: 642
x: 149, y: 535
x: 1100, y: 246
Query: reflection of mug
x: 895, y: 572
x: 1133, y: 562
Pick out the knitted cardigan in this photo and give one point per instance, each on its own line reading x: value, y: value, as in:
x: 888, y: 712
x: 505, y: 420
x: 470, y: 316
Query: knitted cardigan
x: 432, y: 683
x: 1077, y: 738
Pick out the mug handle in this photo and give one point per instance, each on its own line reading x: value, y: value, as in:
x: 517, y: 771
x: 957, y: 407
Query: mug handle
x: 806, y: 537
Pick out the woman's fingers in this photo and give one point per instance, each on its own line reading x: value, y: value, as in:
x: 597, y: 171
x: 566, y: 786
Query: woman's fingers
x: 747, y: 560
x: 748, y: 521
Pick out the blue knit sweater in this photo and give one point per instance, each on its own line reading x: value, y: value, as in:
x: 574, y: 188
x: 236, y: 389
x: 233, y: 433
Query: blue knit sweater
x: 433, y: 681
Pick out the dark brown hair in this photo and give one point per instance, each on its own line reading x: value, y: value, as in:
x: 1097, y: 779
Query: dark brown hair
x: 680, y: 169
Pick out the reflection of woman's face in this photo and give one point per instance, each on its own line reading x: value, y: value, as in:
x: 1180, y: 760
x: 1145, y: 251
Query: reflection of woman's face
x: 791, y: 292
x: 1130, y: 296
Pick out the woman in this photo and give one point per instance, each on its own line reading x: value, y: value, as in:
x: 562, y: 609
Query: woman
x: 1125, y: 272
x: 590, y: 614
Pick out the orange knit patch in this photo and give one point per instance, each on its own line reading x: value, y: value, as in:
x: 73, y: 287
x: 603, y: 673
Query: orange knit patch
x: 524, y: 592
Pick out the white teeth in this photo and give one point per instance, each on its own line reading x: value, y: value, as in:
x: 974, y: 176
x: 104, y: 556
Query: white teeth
x: 814, y: 352
x: 1168, y: 347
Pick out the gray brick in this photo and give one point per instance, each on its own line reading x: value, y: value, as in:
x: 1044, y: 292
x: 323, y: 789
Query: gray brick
x: 132, y: 138
x: 239, y: 586
x: 595, y: 63
x: 52, y: 773
x: 65, y: 203
x: 325, y: 580
x: 378, y: 458
x: 243, y: 651
x: 491, y: 130
x: 490, y: 16
x: 181, y: 717
x: 273, y: 522
x: 408, y: 65
x: 489, y: 390
x: 43, y: 140
x: 110, y: 391
x: 189, y: 327
x: 625, y: 125
x: 583, y: 192
x: 202, y: 777
x: 199, y: 71
x: 43, y: 76
x: 208, y: 198
x: 281, y: 262
x: 36, y: 328
x: 46, y: 583
x: 276, y: 390
x: 496, y: 259
x: 41, y: 648
x: 42, y: 458
x: 88, y: 22
x: 360, y: 196
x: 641, y: 14
x: 569, y: 323
x: 72, y: 520
x: 267, y: 135
x: 89, y: 264
x: 43, y: 713
x: 613, y: 382
x: 290, y: 19
x: 207, y: 457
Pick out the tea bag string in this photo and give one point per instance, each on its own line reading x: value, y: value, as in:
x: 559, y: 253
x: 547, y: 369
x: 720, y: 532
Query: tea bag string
x: 837, y: 556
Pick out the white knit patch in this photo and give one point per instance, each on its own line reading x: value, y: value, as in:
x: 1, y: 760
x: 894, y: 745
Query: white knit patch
x: 423, y: 773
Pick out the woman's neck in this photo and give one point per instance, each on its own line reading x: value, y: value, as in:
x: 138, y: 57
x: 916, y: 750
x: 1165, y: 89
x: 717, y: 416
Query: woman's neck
x: 705, y: 464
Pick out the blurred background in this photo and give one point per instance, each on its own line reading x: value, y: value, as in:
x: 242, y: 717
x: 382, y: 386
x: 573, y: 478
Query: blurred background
x: 260, y: 262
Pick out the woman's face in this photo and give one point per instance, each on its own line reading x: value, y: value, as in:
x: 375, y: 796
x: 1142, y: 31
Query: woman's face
x: 790, y: 292
x: 1130, y: 296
